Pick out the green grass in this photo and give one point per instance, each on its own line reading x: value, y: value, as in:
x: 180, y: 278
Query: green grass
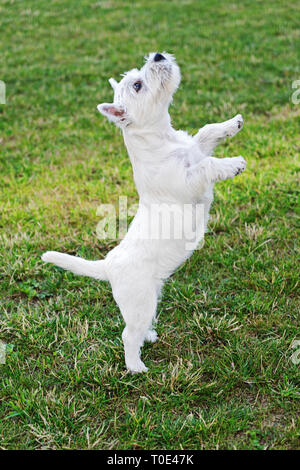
x: 220, y: 376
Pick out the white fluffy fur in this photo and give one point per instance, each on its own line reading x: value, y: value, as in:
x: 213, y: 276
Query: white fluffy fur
x: 169, y: 167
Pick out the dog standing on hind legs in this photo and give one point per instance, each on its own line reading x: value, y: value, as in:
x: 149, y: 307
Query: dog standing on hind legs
x: 170, y: 168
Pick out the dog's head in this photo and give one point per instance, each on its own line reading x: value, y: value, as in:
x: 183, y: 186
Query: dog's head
x: 143, y: 96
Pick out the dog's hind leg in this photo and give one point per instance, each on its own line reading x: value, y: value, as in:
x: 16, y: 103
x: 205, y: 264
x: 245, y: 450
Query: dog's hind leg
x: 138, y: 306
x: 209, y: 136
x: 151, y: 336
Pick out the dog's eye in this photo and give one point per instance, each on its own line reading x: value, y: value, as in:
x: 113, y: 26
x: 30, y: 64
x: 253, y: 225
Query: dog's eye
x: 137, y: 86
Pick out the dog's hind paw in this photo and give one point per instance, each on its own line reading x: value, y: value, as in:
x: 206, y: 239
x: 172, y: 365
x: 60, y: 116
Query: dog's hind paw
x: 151, y: 336
x: 136, y: 367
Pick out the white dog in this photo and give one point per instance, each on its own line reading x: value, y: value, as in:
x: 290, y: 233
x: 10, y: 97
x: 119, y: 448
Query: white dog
x: 170, y: 168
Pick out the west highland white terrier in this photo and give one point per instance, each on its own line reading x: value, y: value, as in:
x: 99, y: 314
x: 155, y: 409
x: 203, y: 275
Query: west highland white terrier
x: 171, y: 170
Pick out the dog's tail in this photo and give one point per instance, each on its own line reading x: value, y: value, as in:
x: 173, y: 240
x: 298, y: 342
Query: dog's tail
x: 83, y: 267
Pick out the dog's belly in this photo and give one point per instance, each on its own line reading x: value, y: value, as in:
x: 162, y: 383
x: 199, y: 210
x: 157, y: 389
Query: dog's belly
x: 160, y: 238
x: 150, y: 258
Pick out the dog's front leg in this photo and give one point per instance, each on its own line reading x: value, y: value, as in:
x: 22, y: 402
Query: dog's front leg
x: 212, y: 134
x: 211, y: 170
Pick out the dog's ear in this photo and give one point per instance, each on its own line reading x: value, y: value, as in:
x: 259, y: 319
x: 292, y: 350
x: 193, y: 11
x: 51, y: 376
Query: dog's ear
x: 113, y: 83
x: 113, y: 112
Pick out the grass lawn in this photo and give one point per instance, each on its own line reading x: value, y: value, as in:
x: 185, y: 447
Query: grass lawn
x: 221, y: 375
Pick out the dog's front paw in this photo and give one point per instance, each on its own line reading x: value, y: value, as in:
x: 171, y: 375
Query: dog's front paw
x: 239, y: 121
x: 234, y: 125
x: 238, y: 165
x: 229, y: 168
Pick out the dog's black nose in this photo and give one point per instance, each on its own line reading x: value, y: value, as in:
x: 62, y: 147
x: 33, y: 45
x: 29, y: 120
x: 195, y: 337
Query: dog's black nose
x: 158, y: 57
